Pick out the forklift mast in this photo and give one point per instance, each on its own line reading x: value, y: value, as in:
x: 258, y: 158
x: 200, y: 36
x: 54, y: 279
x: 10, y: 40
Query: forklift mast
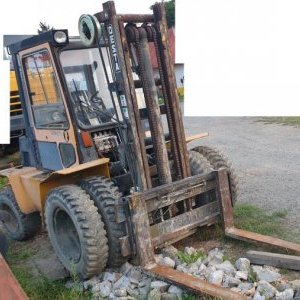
x: 129, y: 37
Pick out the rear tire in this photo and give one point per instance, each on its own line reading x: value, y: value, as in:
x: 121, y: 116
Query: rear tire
x: 217, y: 160
x: 76, y: 231
x: 105, y: 195
x: 21, y: 226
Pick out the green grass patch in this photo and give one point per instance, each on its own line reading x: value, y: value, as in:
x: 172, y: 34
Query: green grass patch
x: 251, y: 218
x: 281, y: 120
x: 254, y: 219
x: 3, y: 182
x: 42, y: 288
x: 190, y: 258
x: 21, y: 255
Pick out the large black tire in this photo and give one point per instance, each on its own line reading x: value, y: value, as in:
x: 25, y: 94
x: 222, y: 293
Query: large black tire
x: 217, y: 161
x: 105, y: 195
x: 3, y: 244
x: 200, y: 165
x: 21, y: 226
x: 76, y: 231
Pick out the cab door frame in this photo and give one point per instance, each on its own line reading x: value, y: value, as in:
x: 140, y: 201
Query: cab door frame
x: 49, y: 137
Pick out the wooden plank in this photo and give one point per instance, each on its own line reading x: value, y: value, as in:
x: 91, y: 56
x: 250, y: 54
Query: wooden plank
x: 9, y: 286
x: 274, y: 259
x: 248, y: 236
x: 195, y: 284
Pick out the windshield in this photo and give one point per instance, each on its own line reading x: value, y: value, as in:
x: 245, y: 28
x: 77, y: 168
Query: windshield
x: 88, y: 87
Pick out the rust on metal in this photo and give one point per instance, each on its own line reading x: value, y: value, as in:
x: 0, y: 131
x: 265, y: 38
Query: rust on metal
x: 243, y: 235
x: 135, y: 106
x: 224, y: 196
x: 141, y: 228
x: 9, y: 287
x: 181, y: 224
x: 249, y: 236
x: 197, y: 285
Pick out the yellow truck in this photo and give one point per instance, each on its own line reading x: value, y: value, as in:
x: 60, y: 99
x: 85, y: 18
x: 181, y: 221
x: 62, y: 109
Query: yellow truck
x: 16, y: 118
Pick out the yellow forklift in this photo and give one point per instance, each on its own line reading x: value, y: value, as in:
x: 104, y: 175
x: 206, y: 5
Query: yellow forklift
x: 104, y: 166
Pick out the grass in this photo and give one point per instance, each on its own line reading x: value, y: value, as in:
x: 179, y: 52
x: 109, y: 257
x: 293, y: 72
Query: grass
x: 190, y: 258
x: 38, y: 288
x: 281, y: 120
x: 3, y: 182
x: 254, y: 219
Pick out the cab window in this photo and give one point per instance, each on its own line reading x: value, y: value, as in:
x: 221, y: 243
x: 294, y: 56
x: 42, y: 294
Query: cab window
x: 46, y: 100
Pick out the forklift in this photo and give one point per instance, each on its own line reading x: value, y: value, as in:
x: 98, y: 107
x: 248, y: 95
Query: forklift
x: 105, y: 165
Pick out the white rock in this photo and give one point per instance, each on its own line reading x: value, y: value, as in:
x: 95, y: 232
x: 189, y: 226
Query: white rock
x: 245, y: 286
x: 189, y: 250
x: 169, y: 251
x: 229, y: 281
x: 295, y: 284
x: 257, y: 296
x: 182, y: 268
x: 160, y: 285
x: 241, y: 275
x: 90, y: 283
x: 133, y: 292
x: 216, y: 277
x: 120, y: 293
x: 125, y: 268
x: 175, y: 290
x: 227, y: 267
x: 135, y: 275
x: 193, y: 268
x: 215, y: 259
x: 105, y: 288
x: 214, y: 252
x: 288, y: 294
x: 166, y: 296
x: 109, y: 276
x: 243, y: 264
x: 266, y: 289
x: 167, y: 261
x: 154, y: 295
x: 123, y: 282
x: 268, y: 275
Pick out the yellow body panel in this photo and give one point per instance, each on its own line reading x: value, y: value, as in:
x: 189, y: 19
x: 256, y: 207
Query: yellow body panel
x: 31, y: 186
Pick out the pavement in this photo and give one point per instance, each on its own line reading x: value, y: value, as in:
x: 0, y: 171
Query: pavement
x: 266, y: 158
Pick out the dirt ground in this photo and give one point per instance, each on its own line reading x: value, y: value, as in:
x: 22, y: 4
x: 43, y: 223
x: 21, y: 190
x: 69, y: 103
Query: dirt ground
x: 266, y: 158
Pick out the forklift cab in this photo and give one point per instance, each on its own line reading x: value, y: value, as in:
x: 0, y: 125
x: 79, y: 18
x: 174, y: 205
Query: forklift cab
x: 67, y: 103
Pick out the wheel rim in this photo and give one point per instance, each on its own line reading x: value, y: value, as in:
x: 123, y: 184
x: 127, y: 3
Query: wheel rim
x: 12, y: 225
x: 66, y: 236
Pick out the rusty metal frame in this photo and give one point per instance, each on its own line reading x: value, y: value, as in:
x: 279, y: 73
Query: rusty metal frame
x: 243, y: 235
x: 9, y: 286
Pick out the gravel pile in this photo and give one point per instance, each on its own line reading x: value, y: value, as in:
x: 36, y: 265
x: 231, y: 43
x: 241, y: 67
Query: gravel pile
x: 255, y: 282
x: 129, y: 282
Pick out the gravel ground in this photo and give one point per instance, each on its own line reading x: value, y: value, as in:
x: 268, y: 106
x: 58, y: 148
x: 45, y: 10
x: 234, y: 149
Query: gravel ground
x: 266, y: 158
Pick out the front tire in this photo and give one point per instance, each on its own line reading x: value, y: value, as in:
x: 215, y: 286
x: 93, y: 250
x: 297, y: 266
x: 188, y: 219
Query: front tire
x: 76, y: 231
x: 20, y: 226
x: 105, y: 196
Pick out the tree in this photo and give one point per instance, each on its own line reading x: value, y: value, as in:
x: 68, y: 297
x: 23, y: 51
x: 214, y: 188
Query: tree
x: 170, y: 12
x: 44, y: 27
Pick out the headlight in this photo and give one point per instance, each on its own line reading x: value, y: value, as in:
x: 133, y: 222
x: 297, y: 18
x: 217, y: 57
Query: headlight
x: 60, y: 37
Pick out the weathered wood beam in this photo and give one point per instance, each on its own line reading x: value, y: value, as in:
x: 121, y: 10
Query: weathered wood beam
x: 274, y: 259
